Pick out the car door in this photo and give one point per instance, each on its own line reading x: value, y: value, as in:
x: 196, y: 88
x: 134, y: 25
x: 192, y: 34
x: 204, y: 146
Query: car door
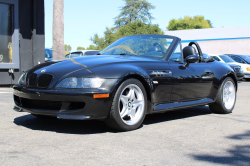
x: 190, y: 83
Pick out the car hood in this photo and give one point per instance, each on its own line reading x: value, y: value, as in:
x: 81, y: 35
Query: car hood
x: 88, y: 62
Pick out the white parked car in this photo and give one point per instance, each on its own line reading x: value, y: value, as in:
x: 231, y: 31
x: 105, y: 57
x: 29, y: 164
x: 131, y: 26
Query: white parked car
x: 227, y: 59
x: 79, y: 53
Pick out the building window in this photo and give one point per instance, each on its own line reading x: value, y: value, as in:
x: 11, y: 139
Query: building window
x: 6, y: 31
x: 9, y: 43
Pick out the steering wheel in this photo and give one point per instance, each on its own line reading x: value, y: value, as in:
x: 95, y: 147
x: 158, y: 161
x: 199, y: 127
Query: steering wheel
x: 159, y: 44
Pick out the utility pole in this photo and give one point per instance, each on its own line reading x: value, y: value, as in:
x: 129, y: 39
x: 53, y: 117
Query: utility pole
x: 58, y: 30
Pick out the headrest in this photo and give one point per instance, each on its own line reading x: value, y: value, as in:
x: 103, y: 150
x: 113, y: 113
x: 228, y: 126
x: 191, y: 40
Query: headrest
x: 189, y: 50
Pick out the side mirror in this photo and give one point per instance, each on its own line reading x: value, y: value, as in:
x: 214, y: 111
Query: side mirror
x: 191, y: 59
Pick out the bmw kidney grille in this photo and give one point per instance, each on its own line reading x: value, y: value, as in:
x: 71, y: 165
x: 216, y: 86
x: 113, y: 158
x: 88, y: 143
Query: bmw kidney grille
x: 43, y: 81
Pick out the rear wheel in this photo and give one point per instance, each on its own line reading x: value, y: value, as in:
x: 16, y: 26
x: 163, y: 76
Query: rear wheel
x: 129, y: 106
x: 226, y: 97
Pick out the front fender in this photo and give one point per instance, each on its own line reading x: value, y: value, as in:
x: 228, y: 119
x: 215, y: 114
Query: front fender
x: 221, y: 71
x: 120, y: 72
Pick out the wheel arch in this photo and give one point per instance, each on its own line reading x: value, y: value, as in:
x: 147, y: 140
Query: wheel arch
x: 234, y: 79
x: 145, y: 82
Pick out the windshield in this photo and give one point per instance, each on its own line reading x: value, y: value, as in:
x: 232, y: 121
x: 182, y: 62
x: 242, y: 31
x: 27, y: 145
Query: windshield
x: 73, y: 55
x: 91, y: 52
x: 226, y: 59
x: 246, y: 58
x: 205, y: 56
x: 145, y: 45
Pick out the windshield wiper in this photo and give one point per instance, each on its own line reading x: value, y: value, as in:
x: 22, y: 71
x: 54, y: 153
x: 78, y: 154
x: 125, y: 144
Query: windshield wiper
x: 123, y: 53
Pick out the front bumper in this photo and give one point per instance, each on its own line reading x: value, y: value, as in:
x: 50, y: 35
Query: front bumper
x: 63, y: 104
x: 247, y: 75
x: 240, y: 75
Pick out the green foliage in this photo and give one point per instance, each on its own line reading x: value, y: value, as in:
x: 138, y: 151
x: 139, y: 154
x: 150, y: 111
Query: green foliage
x: 80, y: 48
x: 67, y: 47
x: 113, y: 34
x: 197, y: 22
x: 92, y: 47
x: 134, y: 10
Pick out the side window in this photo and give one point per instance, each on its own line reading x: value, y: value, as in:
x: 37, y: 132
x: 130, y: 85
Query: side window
x: 237, y: 59
x: 216, y: 58
x: 177, y: 55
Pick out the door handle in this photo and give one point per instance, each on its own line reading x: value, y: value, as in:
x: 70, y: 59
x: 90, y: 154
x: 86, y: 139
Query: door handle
x: 160, y: 73
x: 208, y: 71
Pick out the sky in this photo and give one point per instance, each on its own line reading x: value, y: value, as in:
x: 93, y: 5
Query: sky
x: 84, y: 18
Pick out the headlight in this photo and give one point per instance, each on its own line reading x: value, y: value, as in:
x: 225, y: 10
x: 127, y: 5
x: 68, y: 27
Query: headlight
x: 22, y: 79
x: 79, y: 83
x: 248, y: 68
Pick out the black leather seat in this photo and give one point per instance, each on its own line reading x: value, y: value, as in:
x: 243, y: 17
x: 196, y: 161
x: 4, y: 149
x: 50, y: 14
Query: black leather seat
x: 189, y: 50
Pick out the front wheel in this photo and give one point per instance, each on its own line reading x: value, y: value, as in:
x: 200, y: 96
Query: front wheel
x: 129, y: 106
x: 226, y: 97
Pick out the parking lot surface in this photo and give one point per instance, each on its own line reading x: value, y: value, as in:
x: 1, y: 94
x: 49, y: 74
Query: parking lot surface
x: 193, y: 136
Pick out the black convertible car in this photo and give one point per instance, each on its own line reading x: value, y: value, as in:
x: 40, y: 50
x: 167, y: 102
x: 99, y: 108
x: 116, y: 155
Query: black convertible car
x: 134, y: 76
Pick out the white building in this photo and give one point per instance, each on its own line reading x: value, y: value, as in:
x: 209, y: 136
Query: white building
x: 230, y: 40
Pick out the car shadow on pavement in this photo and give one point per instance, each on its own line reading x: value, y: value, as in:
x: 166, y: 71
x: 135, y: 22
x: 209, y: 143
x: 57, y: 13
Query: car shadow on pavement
x: 238, y: 155
x: 95, y: 126
x: 176, y: 114
x: 62, y: 126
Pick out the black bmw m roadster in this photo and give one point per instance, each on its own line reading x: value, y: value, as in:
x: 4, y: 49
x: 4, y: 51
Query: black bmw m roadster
x: 134, y: 76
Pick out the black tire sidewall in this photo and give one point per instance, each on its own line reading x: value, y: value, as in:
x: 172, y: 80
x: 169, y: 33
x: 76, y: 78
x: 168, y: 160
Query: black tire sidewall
x: 115, y: 110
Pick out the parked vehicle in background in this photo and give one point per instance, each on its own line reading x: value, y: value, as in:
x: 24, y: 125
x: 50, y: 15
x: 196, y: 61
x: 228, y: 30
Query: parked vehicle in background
x: 229, y: 61
x: 81, y: 53
x: 48, y: 54
x: 245, y: 59
x: 238, y: 71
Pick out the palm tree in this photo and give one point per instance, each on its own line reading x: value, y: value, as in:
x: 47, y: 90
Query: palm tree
x: 58, y: 29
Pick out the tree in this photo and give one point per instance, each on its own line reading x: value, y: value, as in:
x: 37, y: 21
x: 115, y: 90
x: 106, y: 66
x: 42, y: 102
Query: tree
x: 197, y: 22
x: 134, y: 10
x: 113, y: 34
x: 80, y: 48
x: 91, y: 47
x: 58, y: 29
x: 67, y: 48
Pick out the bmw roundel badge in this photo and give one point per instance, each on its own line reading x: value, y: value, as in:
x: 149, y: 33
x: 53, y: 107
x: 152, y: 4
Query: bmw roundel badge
x: 43, y: 71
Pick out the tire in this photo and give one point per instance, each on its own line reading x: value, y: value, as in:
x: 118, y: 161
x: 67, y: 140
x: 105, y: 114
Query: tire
x: 226, y: 97
x: 129, y: 106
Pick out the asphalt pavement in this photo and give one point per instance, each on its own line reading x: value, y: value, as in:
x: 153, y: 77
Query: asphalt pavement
x: 193, y: 136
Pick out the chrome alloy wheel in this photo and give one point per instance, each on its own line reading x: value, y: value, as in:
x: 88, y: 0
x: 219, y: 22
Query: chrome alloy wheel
x: 131, y: 104
x: 229, y: 95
